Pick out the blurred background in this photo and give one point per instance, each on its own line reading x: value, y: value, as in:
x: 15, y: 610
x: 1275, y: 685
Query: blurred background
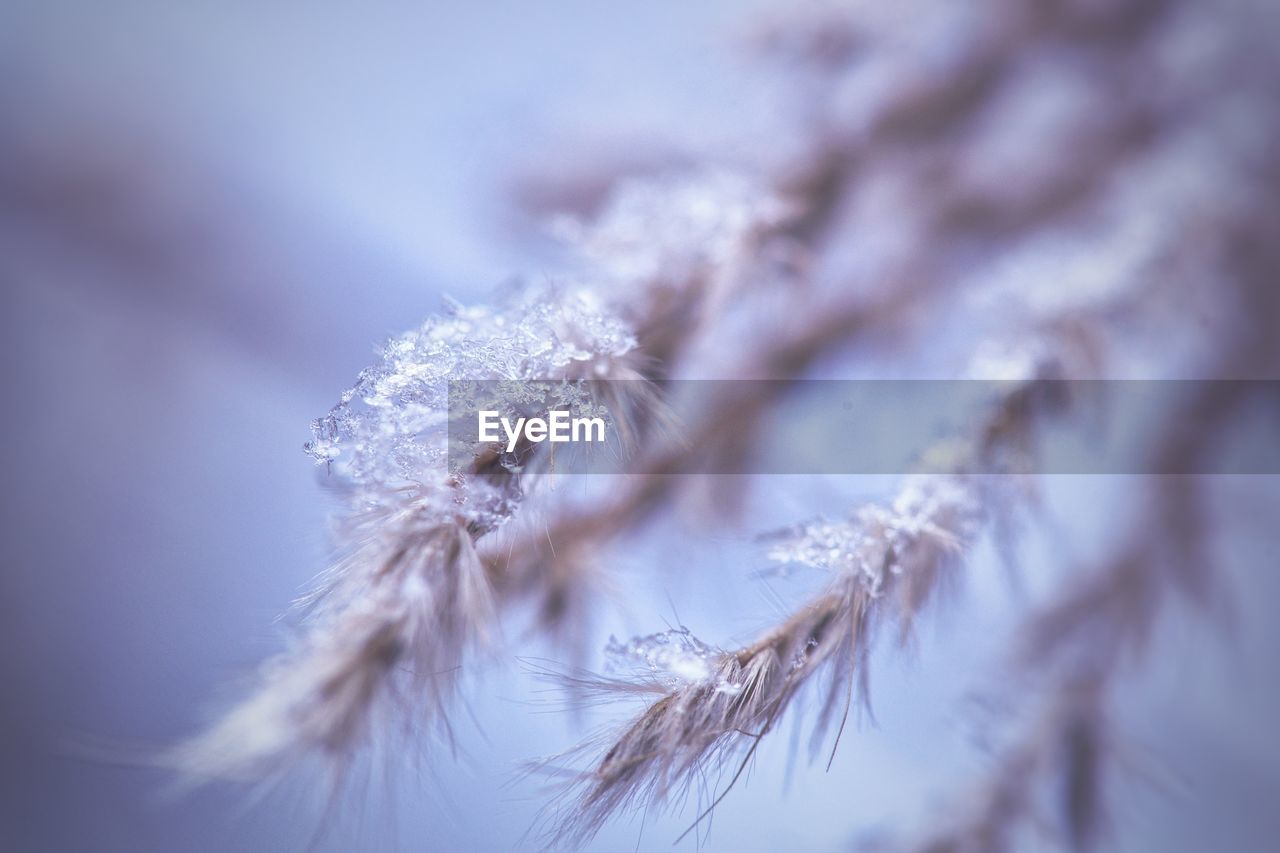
x: 209, y: 215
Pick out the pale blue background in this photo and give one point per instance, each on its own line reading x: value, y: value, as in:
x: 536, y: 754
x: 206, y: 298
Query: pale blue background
x: 209, y: 213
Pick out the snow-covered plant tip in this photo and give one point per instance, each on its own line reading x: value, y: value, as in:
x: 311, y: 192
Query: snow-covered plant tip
x: 410, y: 593
x: 1006, y: 185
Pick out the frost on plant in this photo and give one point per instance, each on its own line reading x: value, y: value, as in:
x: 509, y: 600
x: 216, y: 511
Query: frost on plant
x: 662, y: 230
x: 409, y: 593
x: 1043, y: 191
x: 389, y: 431
x: 872, y: 543
x: 715, y: 706
x: 670, y: 657
x: 672, y: 249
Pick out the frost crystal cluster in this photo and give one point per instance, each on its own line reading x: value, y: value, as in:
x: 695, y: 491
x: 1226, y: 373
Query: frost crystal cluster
x: 871, y: 544
x: 388, y: 434
x: 665, y: 230
x: 672, y: 657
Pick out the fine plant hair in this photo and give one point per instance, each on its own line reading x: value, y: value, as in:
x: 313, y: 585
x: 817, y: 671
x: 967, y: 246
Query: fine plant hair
x: 396, y: 614
x: 1084, y: 186
x: 713, y: 707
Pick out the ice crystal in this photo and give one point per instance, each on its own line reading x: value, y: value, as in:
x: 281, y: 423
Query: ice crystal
x: 661, y: 230
x: 876, y: 540
x: 673, y: 657
x: 388, y: 433
x: 936, y: 506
